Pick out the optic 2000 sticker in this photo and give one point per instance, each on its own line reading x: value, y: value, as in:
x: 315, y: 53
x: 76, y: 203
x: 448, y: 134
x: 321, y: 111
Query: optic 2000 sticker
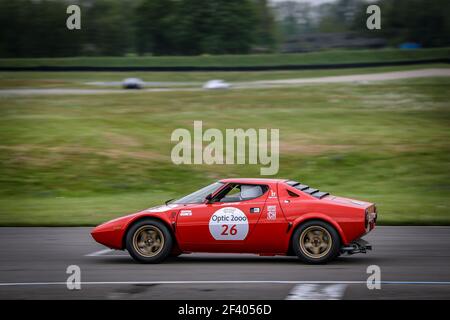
x: 228, y: 224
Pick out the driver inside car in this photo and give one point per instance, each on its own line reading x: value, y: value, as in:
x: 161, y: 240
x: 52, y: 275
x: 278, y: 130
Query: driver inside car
x: 243, y: 192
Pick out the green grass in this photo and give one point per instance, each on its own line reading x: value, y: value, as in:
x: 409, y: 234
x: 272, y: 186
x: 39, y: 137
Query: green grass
x: 80, y: 160
x: 12, y: 80
x: 322, y: 57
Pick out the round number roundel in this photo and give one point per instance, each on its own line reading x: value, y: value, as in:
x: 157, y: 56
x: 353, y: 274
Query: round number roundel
x: 228, y: 224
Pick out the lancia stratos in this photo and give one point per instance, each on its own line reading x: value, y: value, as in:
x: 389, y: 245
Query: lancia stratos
x: 261, y: 216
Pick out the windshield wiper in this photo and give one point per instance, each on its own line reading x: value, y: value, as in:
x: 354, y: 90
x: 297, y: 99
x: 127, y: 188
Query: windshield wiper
x: 168, y: 201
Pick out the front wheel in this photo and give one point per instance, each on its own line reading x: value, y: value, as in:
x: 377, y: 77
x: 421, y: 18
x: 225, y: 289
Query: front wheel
x: 149, y: 241
x: 316, y: 242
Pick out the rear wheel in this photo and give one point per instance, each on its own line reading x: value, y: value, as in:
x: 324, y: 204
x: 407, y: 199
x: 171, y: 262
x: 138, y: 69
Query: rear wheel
x: 316, y: 242
x: 149, y: 241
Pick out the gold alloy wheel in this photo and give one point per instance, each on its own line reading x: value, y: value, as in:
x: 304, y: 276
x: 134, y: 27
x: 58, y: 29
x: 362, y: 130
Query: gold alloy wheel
x: 315, y: 242
x: 148, y: 241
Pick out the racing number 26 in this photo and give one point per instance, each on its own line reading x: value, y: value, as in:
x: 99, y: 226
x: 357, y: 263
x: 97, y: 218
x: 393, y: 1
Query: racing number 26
x: 226, y: 230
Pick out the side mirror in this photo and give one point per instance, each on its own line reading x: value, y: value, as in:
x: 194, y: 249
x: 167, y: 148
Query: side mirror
x: 208, y: 198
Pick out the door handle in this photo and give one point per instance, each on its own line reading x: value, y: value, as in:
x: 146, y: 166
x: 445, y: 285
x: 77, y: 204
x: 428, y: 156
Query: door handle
x: 287, y: 201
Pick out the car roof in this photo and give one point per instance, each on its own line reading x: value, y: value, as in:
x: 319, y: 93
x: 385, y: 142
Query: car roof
x: 253, y: 180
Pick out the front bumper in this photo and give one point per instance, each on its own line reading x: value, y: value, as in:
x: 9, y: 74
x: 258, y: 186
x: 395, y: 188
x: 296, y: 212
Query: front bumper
x: 357, y: 246
x: 109, y: 234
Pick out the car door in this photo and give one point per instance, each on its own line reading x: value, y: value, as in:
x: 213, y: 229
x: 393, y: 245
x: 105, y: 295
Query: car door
x: 270, y: 234
x: 224, y: 224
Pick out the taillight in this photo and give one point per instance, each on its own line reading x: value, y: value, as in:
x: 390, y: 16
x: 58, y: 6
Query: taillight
x: 366, y: 220
x: 370, y: 216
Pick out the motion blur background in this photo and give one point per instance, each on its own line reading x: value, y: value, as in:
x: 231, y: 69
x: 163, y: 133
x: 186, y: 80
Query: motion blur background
x: 76, y: 149
x: 33, y: 28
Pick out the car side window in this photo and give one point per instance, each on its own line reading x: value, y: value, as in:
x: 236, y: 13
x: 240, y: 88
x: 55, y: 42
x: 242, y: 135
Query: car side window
x: 241, y: 192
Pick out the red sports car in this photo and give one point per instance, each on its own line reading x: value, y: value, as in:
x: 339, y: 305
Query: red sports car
x: 262, y: 216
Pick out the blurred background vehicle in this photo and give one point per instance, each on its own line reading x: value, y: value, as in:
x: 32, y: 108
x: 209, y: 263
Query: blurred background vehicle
x: 216, y: 84
x: 132, y: 83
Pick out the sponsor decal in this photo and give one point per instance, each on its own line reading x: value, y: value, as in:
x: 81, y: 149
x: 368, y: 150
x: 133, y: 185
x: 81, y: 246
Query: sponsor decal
x: 271, y: 212
x: 185, y: 213
x: 254, y: 210
x: 228, y: 223
x: 272, y: 194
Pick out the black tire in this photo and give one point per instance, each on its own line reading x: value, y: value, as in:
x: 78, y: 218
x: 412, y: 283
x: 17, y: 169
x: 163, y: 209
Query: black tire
x: 145, y: 228
x: 304, y: 252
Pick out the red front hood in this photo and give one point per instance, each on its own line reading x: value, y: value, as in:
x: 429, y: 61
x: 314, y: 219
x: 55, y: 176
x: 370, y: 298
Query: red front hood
x: 163, y: 208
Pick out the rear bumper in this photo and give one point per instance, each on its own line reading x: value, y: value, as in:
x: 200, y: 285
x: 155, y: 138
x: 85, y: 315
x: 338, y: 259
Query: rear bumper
x: 358, y: 246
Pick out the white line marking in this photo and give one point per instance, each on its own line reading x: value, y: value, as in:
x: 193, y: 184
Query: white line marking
x: 5, y: 284
x: 99, y: 253
x: 317, y: 292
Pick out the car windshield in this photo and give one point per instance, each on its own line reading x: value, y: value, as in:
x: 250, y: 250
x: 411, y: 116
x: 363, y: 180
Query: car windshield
x: 199, y: 195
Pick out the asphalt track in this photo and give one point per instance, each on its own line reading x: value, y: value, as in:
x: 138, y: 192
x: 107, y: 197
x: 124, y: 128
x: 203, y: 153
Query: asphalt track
x: 264, y: 84
x: 414, y: 263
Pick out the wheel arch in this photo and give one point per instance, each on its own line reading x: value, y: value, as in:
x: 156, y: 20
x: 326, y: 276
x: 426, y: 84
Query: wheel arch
x: 148, y: 217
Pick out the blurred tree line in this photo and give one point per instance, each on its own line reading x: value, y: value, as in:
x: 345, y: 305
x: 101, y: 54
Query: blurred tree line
x: 426, y: 22
x: 37, y: 28
x: 423, y: 21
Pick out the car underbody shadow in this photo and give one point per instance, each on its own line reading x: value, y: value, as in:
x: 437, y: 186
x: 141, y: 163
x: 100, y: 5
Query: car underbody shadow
x: 241, y: 259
